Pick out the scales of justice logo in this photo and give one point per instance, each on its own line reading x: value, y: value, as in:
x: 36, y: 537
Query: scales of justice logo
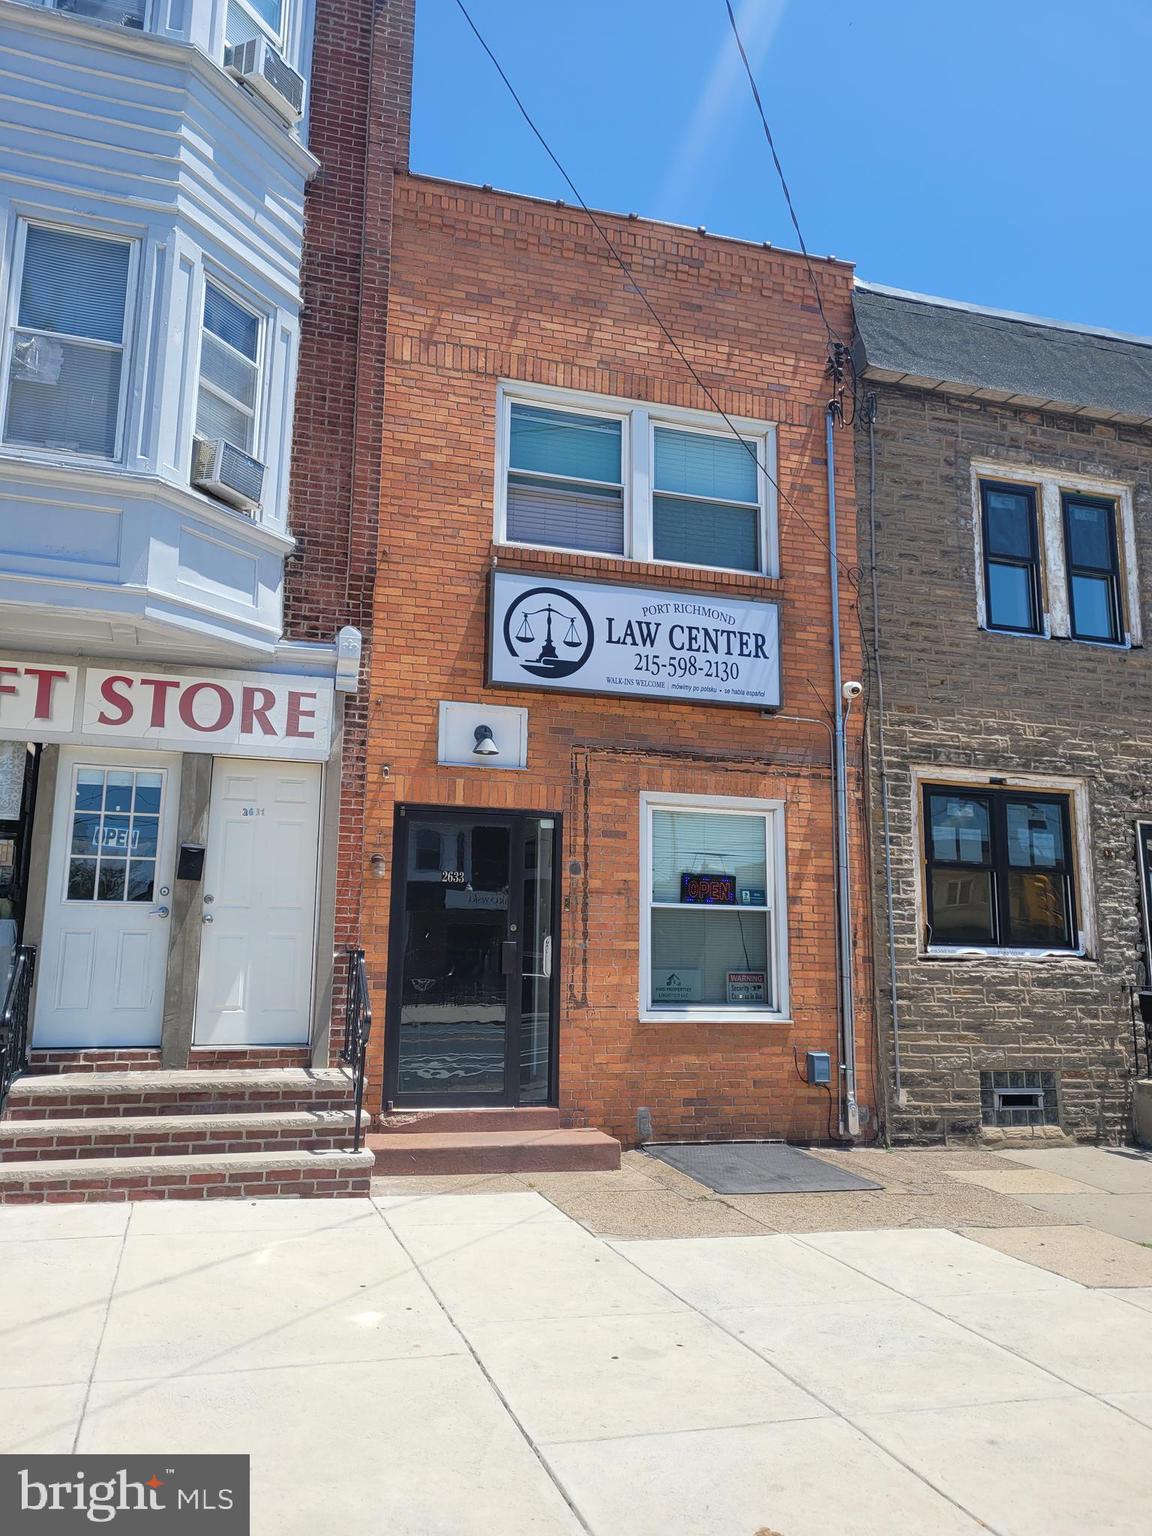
x: 549, y: 632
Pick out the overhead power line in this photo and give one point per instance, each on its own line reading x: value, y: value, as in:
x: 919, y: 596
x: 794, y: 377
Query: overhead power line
x: 832, y: 335
x: 642, y: 296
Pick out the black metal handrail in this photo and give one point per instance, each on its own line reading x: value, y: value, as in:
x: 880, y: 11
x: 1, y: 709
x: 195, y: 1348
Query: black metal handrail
x: 357, y: 1028
x: 14, y: 1032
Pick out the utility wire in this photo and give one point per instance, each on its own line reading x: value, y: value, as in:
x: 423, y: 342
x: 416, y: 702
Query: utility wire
x: 832, y: 335
x: 643, y: 297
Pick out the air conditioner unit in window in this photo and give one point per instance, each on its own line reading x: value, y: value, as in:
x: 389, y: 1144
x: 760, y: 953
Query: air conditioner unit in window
x: 224, y: 470
x: 262, y: 69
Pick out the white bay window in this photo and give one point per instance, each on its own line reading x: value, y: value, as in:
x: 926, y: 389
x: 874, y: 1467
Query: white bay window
x: 67, y: 338
x: 713, y: 940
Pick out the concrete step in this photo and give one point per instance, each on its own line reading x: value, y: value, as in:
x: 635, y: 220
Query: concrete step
x: 423, y: 1121
x: 58, y: 1139
x: 105, y: 1095
x: 540, y: 1151
x: 233, y: 1175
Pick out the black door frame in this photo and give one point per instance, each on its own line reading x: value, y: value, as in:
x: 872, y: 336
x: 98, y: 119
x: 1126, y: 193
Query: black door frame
x: 516, y: 821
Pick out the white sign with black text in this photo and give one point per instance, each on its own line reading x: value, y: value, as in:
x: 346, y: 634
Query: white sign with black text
x: 585, y: 637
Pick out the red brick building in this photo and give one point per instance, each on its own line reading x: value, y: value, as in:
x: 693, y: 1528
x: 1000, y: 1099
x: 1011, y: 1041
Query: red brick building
x: 599, y: 854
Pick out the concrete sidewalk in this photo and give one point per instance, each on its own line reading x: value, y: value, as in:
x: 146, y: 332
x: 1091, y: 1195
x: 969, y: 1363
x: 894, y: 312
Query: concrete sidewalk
x: 461, y: 1365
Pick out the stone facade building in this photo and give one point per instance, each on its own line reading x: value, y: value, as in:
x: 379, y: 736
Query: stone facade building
x: 1004, y: 470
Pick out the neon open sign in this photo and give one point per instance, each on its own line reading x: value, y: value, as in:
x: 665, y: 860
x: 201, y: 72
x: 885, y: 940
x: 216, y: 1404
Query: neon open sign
x: 708, y: 890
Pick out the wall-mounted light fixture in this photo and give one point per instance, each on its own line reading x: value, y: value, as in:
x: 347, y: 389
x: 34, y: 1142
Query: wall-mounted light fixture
x: 485, y: 742
x: 379, y: 866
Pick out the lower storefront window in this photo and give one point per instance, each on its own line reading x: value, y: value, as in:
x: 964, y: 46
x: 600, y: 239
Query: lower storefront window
x: 713, y: 921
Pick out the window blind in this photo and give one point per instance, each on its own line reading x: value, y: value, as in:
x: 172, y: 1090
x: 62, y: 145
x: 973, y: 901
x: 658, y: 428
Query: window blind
x: 74, y: 285
x: 565, y: 517
x: 67, y: 352
x: 123, y: 13
x: 561, y: 443
x: 229, y: 374
x: 698, y: 464
x: 705, y: 533
x: 707, y: 842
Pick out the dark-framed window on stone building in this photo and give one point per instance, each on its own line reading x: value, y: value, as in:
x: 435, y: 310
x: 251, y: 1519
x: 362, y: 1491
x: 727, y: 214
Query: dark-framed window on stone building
x: 1011, y: 545
x: 1092, y: 556
x: 999, y: 866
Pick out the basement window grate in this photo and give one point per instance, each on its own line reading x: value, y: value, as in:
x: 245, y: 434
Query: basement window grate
x: 1019, y: 1096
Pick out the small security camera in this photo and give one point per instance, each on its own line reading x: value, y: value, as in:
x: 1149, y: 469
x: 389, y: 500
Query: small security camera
x: 851, y: 691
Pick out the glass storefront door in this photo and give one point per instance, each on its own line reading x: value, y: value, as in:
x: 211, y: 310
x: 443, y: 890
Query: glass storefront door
x: 472, y: 961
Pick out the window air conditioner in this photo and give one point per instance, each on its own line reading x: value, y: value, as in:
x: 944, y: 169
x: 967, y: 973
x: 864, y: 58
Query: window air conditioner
x: 223, y: 470
x: 262, y: 69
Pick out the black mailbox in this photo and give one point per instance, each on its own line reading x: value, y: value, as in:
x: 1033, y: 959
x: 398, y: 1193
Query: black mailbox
x: 190, y: 864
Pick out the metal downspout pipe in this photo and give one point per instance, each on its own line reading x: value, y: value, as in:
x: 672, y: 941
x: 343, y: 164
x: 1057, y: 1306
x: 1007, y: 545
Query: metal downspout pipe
x: 849, y: 1105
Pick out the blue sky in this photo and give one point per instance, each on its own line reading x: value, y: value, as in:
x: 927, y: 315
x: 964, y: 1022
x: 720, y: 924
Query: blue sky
x: 995, y: 151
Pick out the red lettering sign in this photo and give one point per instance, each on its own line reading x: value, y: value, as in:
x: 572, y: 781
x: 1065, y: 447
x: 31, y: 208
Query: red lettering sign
x: 110, y: 696
x: 297, y: 713
x: 188, y: 706
x: 46, y: 680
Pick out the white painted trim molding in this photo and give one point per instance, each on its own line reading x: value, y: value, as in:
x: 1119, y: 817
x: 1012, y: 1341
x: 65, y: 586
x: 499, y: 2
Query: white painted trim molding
x: 704, y: 1013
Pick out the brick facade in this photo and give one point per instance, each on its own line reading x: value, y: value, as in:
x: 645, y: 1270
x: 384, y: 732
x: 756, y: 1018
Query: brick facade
x: 360, y: 107
x: 958, y: 697
x: 488, y: 286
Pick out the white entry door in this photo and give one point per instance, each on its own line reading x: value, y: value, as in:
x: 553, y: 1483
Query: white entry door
x: 104, y: 947
x: 258, y: 904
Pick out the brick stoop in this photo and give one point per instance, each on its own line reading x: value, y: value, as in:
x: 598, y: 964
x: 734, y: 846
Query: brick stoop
x: 489, y: 1141
x: 148, y: 1135
x: 313, y: 1130
x: 198, y: 1177
x: 104, y: 1095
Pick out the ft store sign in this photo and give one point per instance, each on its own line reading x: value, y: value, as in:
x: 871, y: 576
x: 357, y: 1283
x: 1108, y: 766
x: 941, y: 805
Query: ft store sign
x: 239, y: 714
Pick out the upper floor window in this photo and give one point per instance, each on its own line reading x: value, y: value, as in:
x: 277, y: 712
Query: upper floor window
x: 228, y: 396
x: 248, y: 18
x: 999, y: 869
x: 1011, y: 557
x: 121, y: 13
x: 1056, y: 558
x: 1093, y: 559
x: 67, y: 333
x: 643, y: 482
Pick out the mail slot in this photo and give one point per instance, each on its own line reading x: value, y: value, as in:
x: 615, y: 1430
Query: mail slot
x: 190, y: 864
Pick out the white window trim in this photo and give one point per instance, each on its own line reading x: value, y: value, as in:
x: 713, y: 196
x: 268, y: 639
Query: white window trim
x: 639, y: 420
x: 773, y: 813
x: 993, y: 778
x: 1056, y: 617
x: 228, y: 287
x: 12, y: 325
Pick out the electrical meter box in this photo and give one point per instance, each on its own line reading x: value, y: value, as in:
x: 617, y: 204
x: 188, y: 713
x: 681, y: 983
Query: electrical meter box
x: 819, y: 1067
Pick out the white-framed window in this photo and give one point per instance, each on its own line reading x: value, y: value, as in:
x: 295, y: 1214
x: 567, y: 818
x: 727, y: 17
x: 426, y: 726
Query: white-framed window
x: 598, y: 475
x: 66, y: 357
x: 247, y: 19
x: 713, y: 942
x: 1003, y: 864
x: 1055, y: 555
x: 228, y: 396
x: 120, y: 13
